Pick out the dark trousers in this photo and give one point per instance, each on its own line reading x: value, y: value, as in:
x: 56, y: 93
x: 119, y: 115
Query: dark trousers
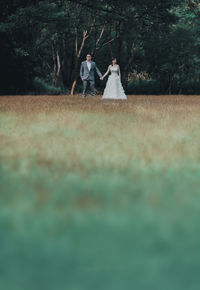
x: 85, y: 84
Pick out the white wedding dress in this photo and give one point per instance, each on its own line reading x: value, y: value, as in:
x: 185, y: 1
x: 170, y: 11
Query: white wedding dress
x: 114, y: 89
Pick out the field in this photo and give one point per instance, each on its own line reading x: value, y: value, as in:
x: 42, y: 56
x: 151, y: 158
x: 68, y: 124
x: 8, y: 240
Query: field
x: 99, y: 194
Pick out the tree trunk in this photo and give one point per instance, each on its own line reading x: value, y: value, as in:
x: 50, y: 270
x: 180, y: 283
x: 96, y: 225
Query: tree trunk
x: 78, y: 54
x: 76, y: 75
x: 73, y: 86
x: 170, y: 84
x: 56, y: 67
x: 119, y: 43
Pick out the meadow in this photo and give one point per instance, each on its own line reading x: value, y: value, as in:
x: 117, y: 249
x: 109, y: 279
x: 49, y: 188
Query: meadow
x: 99, y: 194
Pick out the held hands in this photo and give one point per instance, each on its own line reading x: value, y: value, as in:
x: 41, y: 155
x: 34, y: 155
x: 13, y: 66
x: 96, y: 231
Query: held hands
x: 101, y: 78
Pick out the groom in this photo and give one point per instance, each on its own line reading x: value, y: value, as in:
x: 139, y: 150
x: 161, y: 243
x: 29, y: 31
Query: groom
x: 87, y: 74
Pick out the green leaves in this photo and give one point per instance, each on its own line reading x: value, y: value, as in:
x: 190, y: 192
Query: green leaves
x: 21, y: 52
x: 156, y: 38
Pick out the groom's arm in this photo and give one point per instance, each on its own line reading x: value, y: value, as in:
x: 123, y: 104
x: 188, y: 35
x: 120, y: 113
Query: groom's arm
x: 81, y: 71
x: 98, y: 71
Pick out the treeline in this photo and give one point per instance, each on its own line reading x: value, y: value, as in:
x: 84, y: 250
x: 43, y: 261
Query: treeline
x: 157, y: 44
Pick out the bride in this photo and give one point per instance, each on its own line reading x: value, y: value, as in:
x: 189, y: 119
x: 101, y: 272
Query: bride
x: 114, y: 89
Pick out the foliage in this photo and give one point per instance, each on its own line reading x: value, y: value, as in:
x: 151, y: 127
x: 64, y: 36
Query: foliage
x: 48, y: 39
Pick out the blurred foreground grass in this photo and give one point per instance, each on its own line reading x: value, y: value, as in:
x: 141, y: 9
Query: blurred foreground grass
x: 99, y: 194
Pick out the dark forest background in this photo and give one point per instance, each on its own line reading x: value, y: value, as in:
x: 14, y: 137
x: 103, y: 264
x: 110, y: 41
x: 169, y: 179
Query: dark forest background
x: 156, y: 42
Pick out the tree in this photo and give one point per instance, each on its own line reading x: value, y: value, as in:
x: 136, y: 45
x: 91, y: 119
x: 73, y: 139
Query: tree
x: 48, y: 39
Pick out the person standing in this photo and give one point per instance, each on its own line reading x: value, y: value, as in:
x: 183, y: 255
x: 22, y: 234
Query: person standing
x: 114, y: 88
x: 87, y: 70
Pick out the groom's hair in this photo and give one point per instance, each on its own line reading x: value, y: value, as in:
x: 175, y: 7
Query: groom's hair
x: 88, y: 54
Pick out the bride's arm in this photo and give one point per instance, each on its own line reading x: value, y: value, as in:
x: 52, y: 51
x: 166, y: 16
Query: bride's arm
x: 108, y: 70
x: 119, y: 72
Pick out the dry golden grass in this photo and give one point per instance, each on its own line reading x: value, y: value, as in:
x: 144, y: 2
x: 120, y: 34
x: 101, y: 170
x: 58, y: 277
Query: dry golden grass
x: 86, y: 133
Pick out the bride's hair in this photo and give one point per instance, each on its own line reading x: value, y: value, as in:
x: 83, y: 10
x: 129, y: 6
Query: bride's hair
x: 113, y: 58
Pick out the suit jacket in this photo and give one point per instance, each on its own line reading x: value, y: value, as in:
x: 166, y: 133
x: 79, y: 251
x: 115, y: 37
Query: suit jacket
x: 85, y: 74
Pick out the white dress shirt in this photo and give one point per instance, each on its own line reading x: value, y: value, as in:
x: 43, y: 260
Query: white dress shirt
x: 89, y: 65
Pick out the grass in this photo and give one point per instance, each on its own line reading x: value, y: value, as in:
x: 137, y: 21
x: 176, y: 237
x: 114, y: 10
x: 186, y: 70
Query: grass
x: 99, y: 194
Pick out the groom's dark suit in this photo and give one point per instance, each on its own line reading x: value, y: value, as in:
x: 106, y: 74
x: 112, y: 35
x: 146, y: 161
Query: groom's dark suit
x: 87, y: 76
